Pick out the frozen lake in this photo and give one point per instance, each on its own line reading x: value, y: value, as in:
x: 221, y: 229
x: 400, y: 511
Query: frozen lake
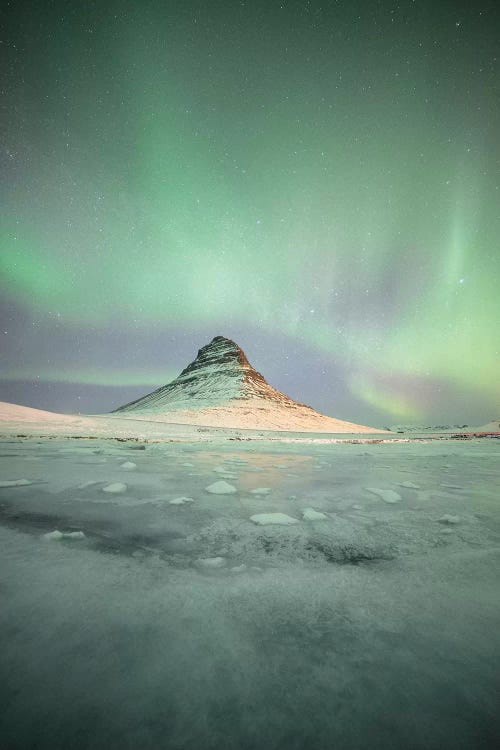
x: 368, y: 617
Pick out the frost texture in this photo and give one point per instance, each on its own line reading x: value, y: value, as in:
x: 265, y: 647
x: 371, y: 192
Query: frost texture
x: 145, y: 624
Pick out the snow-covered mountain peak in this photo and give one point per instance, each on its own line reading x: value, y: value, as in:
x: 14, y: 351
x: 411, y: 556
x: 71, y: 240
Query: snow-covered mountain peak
x: 220, y: 387
x: 220, y: 374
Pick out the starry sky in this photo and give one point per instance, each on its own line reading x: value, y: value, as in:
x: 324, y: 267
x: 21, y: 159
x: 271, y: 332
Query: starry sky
x: 319, y: 181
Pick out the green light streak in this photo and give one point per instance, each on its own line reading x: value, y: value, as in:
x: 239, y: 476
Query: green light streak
x: 185, y: 181
x: 146, y: 378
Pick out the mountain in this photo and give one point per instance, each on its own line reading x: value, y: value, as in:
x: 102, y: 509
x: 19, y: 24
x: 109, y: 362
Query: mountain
x: 419, y: 428
x: 493, y: 426
x: 222, y: 389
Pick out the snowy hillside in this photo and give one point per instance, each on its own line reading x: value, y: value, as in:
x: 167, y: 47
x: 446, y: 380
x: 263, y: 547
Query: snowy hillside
x: 18, y: 413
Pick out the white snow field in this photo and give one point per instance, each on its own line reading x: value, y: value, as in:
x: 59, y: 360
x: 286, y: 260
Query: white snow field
x: 141, y: 611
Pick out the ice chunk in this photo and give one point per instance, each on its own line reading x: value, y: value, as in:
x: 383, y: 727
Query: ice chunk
x: 388, y: 496
x: 267, y: 519
x: 210, y: 562
x: 447, y: 518
x: 54, y: 535
x: 181, y: 500
x: 187, y: 464
x: 128, y: 466
x: 410, y: 485
x: 15, y: 483
x: 57, y: 535
x: 221, y: 488
x: 238, y: 569
x: 261, y: 491
x: 357, y: 507
x: 309, y: 514
x: 115, y: 487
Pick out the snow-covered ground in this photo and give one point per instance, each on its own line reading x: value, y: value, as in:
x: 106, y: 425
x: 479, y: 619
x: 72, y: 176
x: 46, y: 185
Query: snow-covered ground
x: 337, y: 595
x: 251, y: 419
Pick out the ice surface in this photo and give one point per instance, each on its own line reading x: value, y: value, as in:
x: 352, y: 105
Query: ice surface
x: 307, y: 635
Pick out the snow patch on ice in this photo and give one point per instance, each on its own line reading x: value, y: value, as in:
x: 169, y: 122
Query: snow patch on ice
x: 115, y: 488
x: 309, y: 514
x: 388, y: 496
x: 220, y: 469
x: 15, y: 483
x: 270, y: 519
x: 210, y: 562
x: 57, y: 535
x: 238, y: 569
x: 221, y: 488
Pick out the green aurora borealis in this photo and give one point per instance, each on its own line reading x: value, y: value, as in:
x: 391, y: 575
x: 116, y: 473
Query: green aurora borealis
x: 296, y: 174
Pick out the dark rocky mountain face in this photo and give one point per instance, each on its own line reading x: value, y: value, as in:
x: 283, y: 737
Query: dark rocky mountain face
x: 222, y: 356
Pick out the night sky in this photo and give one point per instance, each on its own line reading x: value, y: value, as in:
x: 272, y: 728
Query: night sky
x: 318, y: 181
